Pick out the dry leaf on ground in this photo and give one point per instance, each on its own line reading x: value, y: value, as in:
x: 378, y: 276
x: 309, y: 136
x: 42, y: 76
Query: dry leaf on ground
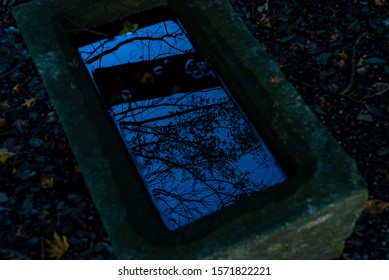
x: 16, y: 89
x: 379, y: 2
x: 343, y: 55
x: 46, y: 182
x: 29, y: 102
x: 375, y: 206
x: 57, y: 247
x: 5, y: 155
x: 5, y: 105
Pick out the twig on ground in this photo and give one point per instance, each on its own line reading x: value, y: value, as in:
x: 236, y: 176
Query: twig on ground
x: 353, y: 66
x: 86, y: 29
x: 5, y: 74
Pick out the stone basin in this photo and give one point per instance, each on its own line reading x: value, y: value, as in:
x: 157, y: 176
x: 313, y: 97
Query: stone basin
x: 308, y: 216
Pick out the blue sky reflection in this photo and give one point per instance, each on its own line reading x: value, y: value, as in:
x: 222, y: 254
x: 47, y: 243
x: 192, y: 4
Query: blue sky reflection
x: 193, y: 148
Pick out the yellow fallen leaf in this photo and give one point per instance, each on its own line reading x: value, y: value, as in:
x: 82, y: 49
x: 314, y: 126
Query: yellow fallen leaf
x: 16, y: 88
x: 175, y: 89
x: 343, y: 55
x: 147, y: 78
x: 379, y: 2
x: 375, y: 206
x: 266, y: 24
x: 57, y: 247
x: 29, y: 102
x: 46, y: 182
x: 5, y: 155
x: 128, y: 27
x: 5, y: 105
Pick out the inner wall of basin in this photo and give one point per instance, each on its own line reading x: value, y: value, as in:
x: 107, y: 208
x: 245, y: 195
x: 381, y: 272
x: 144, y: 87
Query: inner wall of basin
x: 192, y: 145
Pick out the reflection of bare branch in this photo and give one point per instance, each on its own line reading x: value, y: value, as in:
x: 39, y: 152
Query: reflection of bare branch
x: 161, y: 103
x: 184, y: 208
x: 116, y: 47
x: 195, y: 150
x: 90, y: 53
x: 206, y: 107
x: 196, y: 155
x: 192, y: 172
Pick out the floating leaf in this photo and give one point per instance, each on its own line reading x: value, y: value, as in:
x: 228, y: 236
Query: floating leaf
x: 5, y: 155
x: 375, y: 206
x: 147, y: 78
x: 175, y: 89
x: 57, y: 247
x: 29, y: 102
x: 128, y: 27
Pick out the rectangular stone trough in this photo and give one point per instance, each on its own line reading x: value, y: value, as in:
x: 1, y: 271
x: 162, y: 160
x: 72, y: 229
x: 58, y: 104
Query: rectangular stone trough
x: 306, y: 216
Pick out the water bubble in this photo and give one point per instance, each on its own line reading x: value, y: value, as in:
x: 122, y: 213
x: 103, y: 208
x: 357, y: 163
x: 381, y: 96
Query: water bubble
x: 158, y: 70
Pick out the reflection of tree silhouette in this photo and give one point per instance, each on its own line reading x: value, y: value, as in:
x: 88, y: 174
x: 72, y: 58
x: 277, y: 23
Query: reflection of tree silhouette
x: 128, y: 41
x: 192, y: 152
x: 143, y: 43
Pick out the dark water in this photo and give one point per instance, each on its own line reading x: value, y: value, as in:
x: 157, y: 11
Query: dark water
x: 192, y: 145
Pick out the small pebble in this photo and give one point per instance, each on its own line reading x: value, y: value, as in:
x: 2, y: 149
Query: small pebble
x: 356, y: 256
x: 74, y: 198
x: 36, y: 142
x: 3, y: 197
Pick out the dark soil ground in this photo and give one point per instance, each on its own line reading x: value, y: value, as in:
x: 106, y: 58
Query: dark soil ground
x: 334, y: 52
